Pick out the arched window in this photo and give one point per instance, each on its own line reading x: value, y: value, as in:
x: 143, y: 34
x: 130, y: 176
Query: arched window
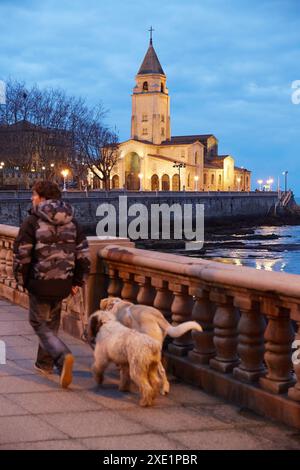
x: 196, y: 158
x: 247, y: 181
x: 189, y: 180
x: 115, y: 182
x: 212, y: 180
x: 205, y: 178
x: 165, y: 183
x: 175, y: 182
x: 154, y: 183
x: 162, y: 89
x: 220, y: 180
x: 145, y: 86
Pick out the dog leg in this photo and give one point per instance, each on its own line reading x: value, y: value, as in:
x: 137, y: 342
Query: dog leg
x: 154, y: 378
x: 99, y: 366
x: 165, y: 385
x: 124, y: 379
x: 140, y: 378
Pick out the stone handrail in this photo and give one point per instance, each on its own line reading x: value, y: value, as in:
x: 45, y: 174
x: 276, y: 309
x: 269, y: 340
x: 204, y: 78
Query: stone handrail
x: 249, y: 318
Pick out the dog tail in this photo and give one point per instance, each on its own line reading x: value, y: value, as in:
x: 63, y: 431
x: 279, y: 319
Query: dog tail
x: 179, y: 330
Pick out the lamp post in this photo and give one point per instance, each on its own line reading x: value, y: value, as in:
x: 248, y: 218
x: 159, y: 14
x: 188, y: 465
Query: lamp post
x: 270, y: 181
x: 179, y: 166
x: 260, y: 182
x: 196, y: 178
x: 2, y: 173
x: 65, y: 174
x: 285, y: 173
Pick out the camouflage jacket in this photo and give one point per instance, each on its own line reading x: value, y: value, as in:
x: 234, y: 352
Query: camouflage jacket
x: 51, y: 251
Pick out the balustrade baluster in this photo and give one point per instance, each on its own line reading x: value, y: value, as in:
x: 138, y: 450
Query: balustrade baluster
x: 181, y: 309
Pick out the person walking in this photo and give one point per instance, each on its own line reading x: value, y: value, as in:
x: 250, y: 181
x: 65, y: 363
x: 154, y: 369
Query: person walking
x: 51, y: 260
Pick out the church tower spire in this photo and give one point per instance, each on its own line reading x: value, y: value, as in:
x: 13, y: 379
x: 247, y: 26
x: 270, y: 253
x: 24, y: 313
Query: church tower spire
x: 150, y: 101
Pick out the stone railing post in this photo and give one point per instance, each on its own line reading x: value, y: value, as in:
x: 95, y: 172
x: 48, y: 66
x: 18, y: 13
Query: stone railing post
x: 163, y: 298
x: 203, y: 313
x: 294, y: 392
x: 146, y: 293
x: 278, y: 338
x: 225, y: 332
x: 114, y: 288
x: 250, y: 348
x: 130, y: 288
x: 181, y: 309
x: 3, y: 253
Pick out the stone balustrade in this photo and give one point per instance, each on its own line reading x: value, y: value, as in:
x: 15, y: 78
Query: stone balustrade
x: 250, y: 318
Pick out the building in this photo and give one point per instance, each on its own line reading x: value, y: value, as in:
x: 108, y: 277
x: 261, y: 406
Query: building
x: 29, y: 152
x: 153, y: 159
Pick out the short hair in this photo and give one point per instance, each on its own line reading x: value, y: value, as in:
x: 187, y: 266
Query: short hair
x: 47, y: 189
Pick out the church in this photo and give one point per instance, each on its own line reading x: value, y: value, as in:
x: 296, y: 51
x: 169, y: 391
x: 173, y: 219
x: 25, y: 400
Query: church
x: 154, y: 160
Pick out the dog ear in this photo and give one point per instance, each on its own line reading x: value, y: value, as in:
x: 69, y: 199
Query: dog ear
x: 93, y: 327
x: 103, y: 303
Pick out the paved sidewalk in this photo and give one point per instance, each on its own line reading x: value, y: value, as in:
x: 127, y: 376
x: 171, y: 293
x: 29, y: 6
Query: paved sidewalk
x: 36, y: 414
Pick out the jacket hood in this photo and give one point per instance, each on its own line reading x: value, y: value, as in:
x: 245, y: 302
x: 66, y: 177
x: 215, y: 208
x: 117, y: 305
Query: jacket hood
x: 56, y: 212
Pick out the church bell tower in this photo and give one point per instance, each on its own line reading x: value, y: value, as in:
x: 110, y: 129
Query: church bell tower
x: 150, y: 119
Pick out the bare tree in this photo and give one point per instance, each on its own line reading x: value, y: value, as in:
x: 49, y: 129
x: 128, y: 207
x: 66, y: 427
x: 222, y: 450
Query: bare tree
x: 46, y: 130
x: 98, y: 149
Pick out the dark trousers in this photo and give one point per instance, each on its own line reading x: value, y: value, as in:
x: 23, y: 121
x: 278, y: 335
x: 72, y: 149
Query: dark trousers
x: 44, y: 317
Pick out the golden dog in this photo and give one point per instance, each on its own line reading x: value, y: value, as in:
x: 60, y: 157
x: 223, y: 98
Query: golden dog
x: 138, y: 355
x: 148, y: 320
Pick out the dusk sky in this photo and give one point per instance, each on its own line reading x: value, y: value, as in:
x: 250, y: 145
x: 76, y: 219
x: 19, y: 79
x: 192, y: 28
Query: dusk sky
x: 230, y: 65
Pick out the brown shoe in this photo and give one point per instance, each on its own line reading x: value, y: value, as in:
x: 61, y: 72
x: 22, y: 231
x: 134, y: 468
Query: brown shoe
x: 67, y: 371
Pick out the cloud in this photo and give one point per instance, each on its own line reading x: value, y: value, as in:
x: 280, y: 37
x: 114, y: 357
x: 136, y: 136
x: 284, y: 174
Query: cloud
x: 229, y: 64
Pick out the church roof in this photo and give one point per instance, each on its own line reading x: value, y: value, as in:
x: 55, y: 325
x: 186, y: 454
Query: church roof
x: 187, y: 139
x: 150, y: 63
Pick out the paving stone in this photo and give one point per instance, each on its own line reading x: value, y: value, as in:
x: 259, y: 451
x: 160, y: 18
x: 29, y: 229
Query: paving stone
x: 187, y: 394
x: 66, y: 444
x: 230, y: 414
x: 53, y: 402
x: 279, y: 436
x: 26, y: 383
x: 16, y: 341
x: 23, y: 352
x: 16, y: 368
x: 133, y: 442
x: 26, y: 428
x: 9, y: 408
x: 91, y: 424
x: 14, y: 328
x: 231, y: 439
x: 173, y: 419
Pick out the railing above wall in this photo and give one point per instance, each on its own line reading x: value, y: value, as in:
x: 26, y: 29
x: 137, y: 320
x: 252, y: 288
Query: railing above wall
x: 249, y: 319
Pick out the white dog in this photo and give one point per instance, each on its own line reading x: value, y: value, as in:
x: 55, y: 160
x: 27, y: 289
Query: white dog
x: 148, y: 320
x: 137, y: 355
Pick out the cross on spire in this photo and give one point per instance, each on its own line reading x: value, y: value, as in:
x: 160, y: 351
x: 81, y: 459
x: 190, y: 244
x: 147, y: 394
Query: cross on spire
x: 151, y: 30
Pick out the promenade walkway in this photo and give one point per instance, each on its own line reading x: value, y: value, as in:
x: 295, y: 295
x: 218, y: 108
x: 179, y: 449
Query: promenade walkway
x: 36, y: 414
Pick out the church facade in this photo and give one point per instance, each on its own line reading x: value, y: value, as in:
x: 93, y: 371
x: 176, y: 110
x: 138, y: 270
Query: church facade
x: 154, y: 160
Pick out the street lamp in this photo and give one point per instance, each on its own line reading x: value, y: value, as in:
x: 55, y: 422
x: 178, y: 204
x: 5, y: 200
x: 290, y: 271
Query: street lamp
x: 238, y: 181
x: 260, y: 182
x: 270, y: 181
x: 285, y: 173
x: 196, y: 178
x: 179, y: 166
x: 65, y: 174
